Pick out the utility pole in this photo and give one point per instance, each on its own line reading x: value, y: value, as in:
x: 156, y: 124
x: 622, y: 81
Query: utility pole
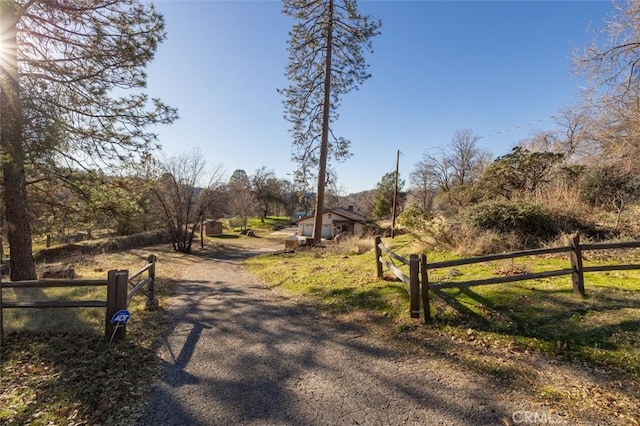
x: 395, y: 197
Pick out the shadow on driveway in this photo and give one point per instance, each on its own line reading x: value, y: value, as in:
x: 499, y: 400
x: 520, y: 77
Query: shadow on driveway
x: 242, y: 354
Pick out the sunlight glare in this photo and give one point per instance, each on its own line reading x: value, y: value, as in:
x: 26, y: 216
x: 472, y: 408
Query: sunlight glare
x: 3, y: 48
x: 8, y: 33
x: 7, y: 49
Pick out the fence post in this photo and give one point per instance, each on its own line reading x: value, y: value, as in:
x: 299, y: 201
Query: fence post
x: 117, y: 284
x: 414, y: 286
x: 576, y: 263
x: 425, y: 288
x: 1, y: 314
x: 378, y: 254
x: 152, y: 300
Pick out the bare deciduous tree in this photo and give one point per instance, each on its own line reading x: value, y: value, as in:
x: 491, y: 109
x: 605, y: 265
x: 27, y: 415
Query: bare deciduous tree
x: 466, y: 159
x: 460, y: 163
x: 242, y: 201
x: 611, y: 62
x: 267, y: 190
x: 423, y: 186
x: 184, y: 198
x: 610, y: 66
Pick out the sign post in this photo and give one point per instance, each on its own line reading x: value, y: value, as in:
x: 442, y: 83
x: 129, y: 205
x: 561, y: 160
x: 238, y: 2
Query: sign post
x: 118, y: 320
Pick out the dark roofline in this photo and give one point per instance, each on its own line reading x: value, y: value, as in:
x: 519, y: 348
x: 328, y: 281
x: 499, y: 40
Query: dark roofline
x: 342, y: 212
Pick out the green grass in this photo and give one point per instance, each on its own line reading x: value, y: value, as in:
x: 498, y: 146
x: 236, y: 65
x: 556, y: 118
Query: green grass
x: 269, y: 222
x: 501, y: 332
x: 70, y: 320
x: 260, y: 227
x: 223, y: 237
x: 601, y: 330
x: 335, y: 282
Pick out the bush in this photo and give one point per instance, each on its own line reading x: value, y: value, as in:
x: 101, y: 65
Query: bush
x: 531, y: 222
x: 414, y: 218
x: 492, y: 227
x: 428, y: 228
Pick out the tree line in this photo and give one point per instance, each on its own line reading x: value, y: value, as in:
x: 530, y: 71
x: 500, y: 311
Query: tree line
x: 174, y: 193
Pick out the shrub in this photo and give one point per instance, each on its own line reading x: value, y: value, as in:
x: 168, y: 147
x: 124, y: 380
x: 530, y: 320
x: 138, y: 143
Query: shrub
x: 351, y: 246
x: 529, y: 221
x: 428, y: 228
x: 414, y: 218
x: 492, y: 227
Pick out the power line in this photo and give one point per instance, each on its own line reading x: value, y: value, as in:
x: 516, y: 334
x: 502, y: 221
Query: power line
x: 520, y: 126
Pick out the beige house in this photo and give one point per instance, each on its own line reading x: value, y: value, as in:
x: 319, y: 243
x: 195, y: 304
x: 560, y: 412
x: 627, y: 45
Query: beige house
x: 334, y: 221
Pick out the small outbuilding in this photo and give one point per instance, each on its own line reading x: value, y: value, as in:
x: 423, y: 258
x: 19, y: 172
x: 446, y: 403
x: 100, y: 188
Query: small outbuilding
x: 212, y: 227
x: 334, y: 221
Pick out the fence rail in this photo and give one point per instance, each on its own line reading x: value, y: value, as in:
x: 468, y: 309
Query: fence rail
x: 412, y: 280
x: 576, y: 269
x: 149, y: 282
x: 117, y: 297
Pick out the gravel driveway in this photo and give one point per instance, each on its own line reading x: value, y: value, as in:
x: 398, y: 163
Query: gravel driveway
x: 242, y: 354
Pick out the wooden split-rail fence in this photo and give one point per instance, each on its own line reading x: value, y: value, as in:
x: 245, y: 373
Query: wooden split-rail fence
x: 118, y: 294
x: 418, y: 285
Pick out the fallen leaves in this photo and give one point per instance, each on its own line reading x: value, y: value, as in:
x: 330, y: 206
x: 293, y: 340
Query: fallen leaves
x: 75, y: 380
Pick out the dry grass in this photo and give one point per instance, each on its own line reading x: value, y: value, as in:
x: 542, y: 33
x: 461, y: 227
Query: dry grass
x: 350, y: 246
x: 57, y: 368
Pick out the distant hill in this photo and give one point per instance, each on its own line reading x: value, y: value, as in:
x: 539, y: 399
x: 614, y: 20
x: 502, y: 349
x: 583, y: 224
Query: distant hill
x: 362, y: 202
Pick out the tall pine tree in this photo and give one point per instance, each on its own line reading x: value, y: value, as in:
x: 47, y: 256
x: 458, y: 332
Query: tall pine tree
x: 71, y: 91
x: 326, y: 47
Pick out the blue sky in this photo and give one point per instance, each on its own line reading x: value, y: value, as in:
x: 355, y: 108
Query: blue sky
x: 499, y: 68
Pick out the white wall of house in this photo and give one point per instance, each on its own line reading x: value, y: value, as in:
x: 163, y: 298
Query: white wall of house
x: 305, y: 226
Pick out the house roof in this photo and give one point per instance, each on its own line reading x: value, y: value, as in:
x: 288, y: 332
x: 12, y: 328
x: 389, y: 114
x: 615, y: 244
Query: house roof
x: 211, y: 221
x: 348, y: 214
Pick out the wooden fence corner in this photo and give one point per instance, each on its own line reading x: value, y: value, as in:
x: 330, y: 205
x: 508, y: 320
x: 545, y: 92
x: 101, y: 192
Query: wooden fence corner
x: 577, y: 277
x: 117, y: 284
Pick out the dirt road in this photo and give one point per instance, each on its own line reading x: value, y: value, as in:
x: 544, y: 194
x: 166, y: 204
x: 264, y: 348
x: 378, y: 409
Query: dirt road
x: 243, y: 354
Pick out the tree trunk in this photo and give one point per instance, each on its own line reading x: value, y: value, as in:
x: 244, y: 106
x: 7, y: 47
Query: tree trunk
x: 202, y: 232
x: 14, y: 180
x: 324, y: 144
